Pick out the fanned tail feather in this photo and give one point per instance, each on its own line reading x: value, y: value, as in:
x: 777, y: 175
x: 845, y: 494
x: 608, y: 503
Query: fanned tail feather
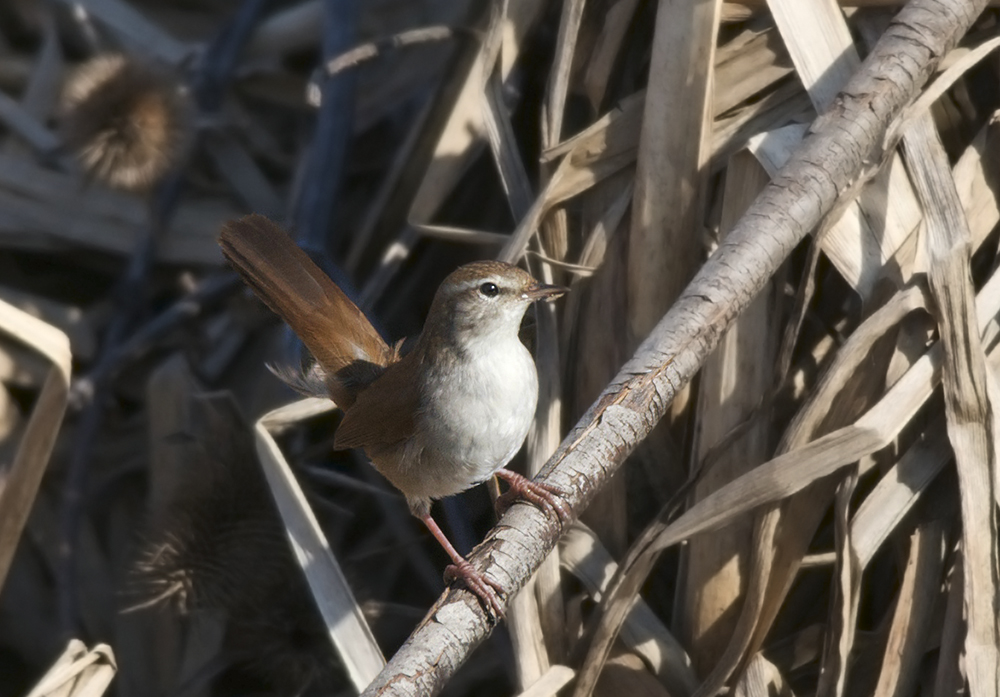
x: 347, y: 347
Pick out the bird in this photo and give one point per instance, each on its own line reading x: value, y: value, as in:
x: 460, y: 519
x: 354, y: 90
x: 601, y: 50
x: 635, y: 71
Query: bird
x: 440, y: 419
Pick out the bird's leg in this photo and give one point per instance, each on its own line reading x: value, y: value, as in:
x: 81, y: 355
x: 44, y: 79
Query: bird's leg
x: 545, y: 496
x: 474, y: 579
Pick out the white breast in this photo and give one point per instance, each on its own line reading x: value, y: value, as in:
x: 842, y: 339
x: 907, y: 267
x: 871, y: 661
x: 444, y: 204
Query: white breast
x: 478, y: 418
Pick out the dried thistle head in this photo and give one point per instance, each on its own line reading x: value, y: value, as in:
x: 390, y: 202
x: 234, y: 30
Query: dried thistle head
x: 218, y: 541
x: 128, y: 122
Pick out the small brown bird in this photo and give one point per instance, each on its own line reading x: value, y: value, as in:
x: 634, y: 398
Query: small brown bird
x: 445, y: 417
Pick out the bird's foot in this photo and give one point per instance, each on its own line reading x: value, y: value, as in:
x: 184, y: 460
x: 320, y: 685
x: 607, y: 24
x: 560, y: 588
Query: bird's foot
x: 544, y: 496
x: 479, y: 583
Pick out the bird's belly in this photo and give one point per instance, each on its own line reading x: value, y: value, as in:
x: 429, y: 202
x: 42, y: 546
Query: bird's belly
x: 470, y: 427
x: 454, y: 466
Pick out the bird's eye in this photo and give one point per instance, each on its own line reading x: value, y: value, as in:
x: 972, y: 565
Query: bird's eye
x: 490, y: 290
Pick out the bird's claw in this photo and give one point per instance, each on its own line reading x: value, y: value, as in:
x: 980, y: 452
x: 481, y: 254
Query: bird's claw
x: 480, y: 584
x: 544, y: 496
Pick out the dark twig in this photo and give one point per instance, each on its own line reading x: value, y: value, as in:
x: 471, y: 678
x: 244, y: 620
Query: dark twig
x: 90, y: 393
x: 208, y: 293
x: 317, y: 197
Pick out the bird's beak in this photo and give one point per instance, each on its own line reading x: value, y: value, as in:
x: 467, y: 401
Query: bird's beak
x: 542, y: 291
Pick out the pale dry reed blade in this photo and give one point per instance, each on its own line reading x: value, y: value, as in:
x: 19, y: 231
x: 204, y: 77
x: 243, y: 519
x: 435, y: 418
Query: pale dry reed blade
x: 78, y: 672
x: 536, y: 619
x: 601, y: 65
x: 969, y: 405
x: 499, y: 129
x: 547, y: 431
x: 593, y: 155
x: 734, y: 131
x: 735, y: 383
x: 553, y: 239
x: 665, y: 246
x: 597, y: 241
x: 361, y: 239
x: 583, y: 556
x: 846, y: 597
x: 862, y: 239
x: 543, y: 439
x: 554, y: 236
x: 748, y: 65
x: 67, y: 317
x: 788, y: 473
x: 734, y: 12
x: 349, y: 632
x: 874, y: 430
x: 973, y: 173
x: 898, y: 490
x: 859, y: 239
x: 559, y: 74
x: 460, y: 235
x: 758, y: 5
x: 743, y: 67
x: 618, y: 128
x: 911, y: 619
x: 885, y: 214
x: 968, y: 59
x: 463, y: 135
x: 39, y: 436
x: 610, y: 145
x: 550, y: 682
x: 458, y: 143
x: 820, y: 45
x: 950, y: 677
x: 761, y: 679
x: 527, y: 638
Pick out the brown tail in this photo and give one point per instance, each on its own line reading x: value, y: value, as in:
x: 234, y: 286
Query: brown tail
x: 332, y: 327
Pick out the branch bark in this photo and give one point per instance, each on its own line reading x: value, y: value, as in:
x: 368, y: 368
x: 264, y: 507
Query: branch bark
x: 846, y: 144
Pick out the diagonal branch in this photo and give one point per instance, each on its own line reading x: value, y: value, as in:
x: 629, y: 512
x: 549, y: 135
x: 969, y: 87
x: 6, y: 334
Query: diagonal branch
x: 845, y: 146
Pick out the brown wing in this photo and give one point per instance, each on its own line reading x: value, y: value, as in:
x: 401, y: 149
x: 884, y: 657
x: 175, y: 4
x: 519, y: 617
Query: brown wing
x: 332, y: 327
x: 383, y: 414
